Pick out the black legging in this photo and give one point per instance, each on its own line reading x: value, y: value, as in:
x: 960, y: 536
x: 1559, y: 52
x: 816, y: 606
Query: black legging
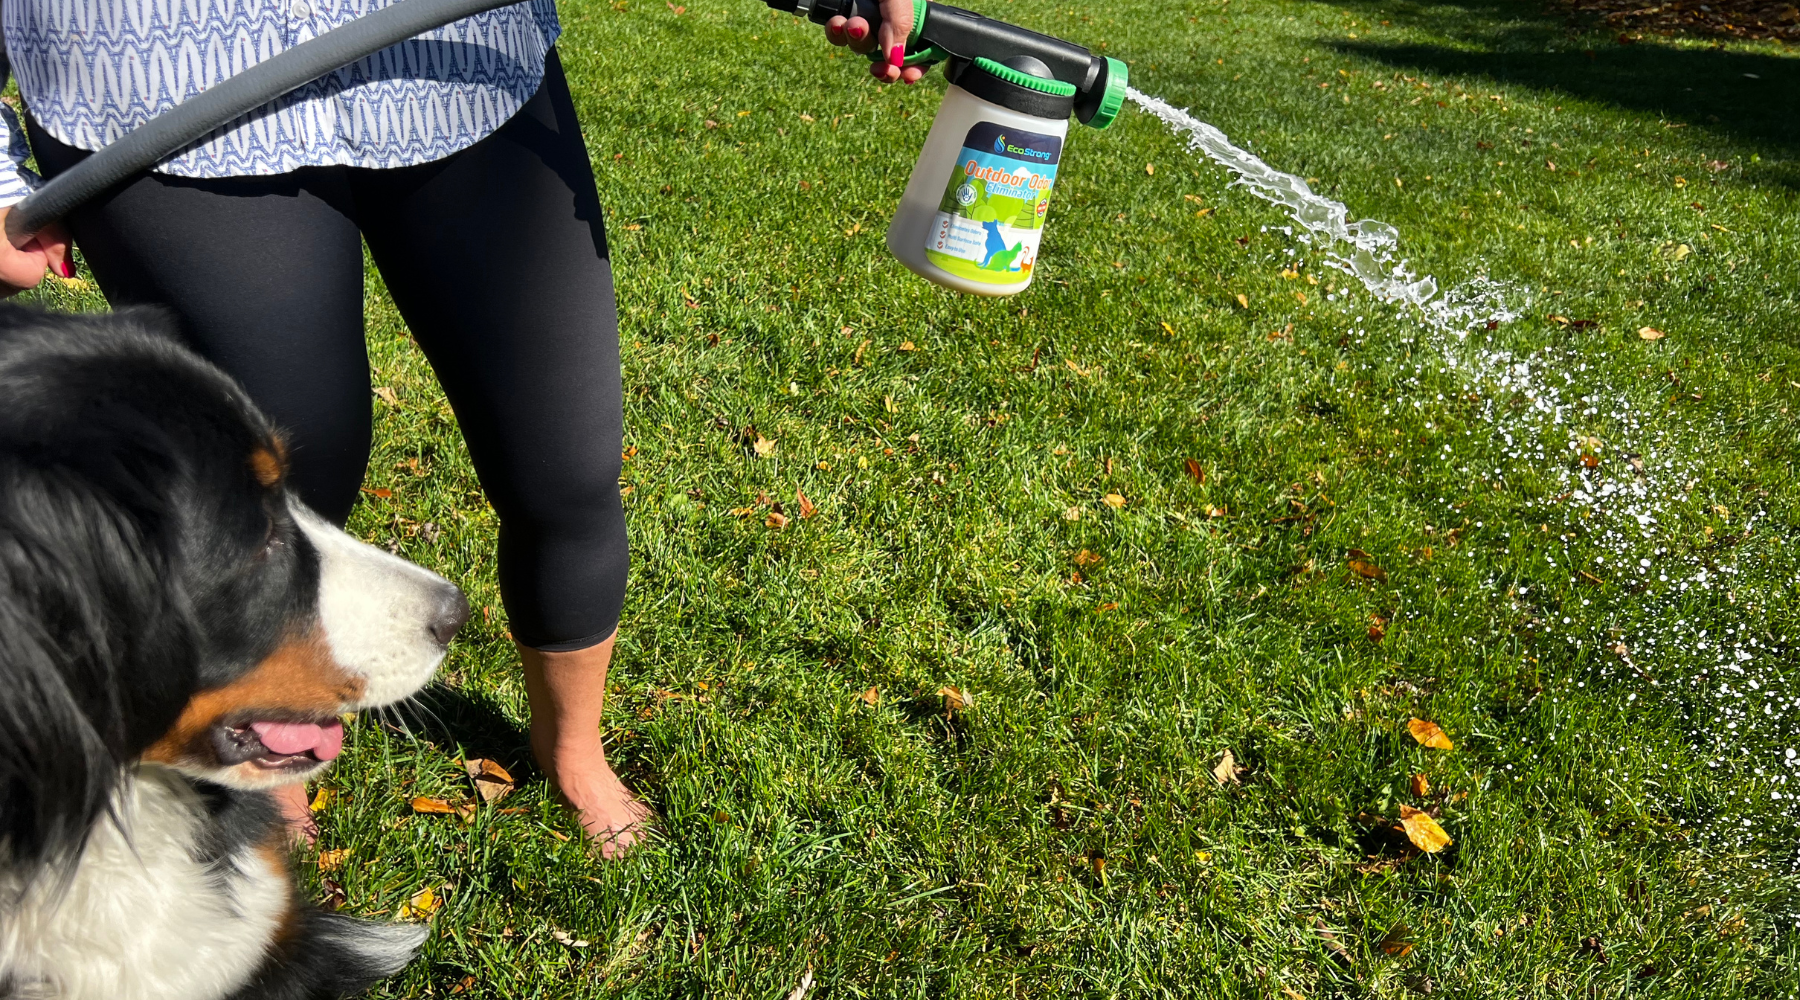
x: 497, y: 259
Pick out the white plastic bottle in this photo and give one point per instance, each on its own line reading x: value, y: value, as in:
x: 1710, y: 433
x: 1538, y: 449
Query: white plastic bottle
x: 973, y: 214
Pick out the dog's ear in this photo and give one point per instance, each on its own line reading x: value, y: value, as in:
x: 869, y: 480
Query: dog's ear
x: 97, y: 651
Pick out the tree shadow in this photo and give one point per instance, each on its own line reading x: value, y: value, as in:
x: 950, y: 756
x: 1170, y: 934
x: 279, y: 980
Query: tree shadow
x: 1744, y: 96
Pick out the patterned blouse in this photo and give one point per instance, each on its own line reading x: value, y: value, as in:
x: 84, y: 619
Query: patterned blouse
x: 92, y: 70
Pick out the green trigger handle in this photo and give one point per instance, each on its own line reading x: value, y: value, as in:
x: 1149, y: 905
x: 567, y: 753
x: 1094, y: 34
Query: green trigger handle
x: 942, y: 33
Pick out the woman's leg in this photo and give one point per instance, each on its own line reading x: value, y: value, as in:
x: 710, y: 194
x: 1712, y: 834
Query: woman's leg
x: 265, y: 277
x: 497, y: 258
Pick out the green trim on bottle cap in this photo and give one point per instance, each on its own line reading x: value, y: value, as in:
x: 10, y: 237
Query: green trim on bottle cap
x: 1118, y: 78
x: 920, y: 9
x: 1055, y: 88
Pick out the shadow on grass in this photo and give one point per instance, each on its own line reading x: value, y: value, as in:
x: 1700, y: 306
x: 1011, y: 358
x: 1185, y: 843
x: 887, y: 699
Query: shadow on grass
x: 473, y: 721
x: 1744, y: 96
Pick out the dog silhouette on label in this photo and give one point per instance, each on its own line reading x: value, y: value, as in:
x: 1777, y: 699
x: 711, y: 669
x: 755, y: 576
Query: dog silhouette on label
x: 999, y: 256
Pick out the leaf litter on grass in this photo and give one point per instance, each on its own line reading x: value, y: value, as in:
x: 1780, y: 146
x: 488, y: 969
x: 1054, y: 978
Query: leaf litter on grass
x: 1719, y: 670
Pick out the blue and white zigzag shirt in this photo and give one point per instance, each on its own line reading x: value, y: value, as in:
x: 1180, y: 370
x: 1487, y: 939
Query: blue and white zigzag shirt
x: 92, y: 70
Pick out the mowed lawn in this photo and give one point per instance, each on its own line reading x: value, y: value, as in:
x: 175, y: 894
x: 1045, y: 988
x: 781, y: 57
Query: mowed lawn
x: 1136, y: 522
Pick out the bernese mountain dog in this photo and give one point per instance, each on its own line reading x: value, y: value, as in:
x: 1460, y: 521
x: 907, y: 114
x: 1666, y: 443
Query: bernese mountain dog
x: 178, y: 635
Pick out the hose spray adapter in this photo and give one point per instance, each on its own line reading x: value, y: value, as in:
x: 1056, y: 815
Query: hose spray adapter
x: 973, y: 215
x: 960, y: 38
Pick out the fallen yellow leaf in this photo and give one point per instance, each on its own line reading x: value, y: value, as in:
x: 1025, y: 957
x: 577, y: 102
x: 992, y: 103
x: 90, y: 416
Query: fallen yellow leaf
x: 776, y: 520
x: 333, y: 860
x: 764, y: 447
x: 424, y: 804
x: 1430, y: 734
x: 1243, y: 301
x: 1113, y: 500
x: 320, y: 800
x: 1421, y: 785
x: 422, y: 905
x: 1649, y: 333
x: 871, y: 696
x: 1423, y: 831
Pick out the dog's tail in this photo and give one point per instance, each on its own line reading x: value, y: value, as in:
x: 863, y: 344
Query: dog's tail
x: 334, y: 955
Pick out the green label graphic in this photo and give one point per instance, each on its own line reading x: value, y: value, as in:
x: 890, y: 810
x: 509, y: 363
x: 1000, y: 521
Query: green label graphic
x: 992, y: 217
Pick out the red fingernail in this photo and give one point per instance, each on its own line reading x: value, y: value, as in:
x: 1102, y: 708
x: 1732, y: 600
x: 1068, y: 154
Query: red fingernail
x: 68, y: 268
x: 858, y: 31
x: 897, y: 58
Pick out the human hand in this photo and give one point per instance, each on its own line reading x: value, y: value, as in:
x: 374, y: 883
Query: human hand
x: 22, y: 267
x: 896, y: 28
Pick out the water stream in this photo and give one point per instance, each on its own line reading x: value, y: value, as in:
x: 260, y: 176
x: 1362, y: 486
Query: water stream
x: 1365, y: 249
x: 1619, y: 483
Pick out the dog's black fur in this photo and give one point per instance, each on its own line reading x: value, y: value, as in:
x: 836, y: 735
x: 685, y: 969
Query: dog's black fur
x: 141, y: 561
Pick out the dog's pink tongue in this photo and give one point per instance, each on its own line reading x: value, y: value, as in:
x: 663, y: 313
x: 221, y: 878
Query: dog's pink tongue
x: 325, y: 742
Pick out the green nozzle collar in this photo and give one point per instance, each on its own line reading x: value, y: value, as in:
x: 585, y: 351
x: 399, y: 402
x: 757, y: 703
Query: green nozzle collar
x: 1118, y: 78
x: 1055, y: 88
x: 920, y: 9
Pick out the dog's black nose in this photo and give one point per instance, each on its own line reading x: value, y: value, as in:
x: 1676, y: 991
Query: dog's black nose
x: 452, y: 611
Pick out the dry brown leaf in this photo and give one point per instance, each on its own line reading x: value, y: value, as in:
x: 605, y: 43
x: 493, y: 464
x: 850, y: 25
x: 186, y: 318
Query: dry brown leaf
x: 387, y: 395
x: 1084, y: 558
x: 807, y: 507
x: 425, y: 804
x: 871, y: 696
x: 422, y: 905
x: 764, y: 447
x: 1368, y: 570
x: 1195, y: 472
x: 776, y: 519
x: 907, y: 345
x: 1243, y: 301
x: 1421, y: 785
x: 1423, y: 831
x: 1395, y: 944
x: 1227, y: 771
x: 956, y: 699
x: 1377, y: 628
x: 1291, y: 995
x: 330, y: 861
x: 1430, y: 734
x: 467, y: 984
x: 1649, y: 333
x: 1113, y: 500
x: 1339, y: 953
x: 492, y: 782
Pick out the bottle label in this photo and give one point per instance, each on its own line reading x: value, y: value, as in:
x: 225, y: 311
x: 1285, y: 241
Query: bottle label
x: 992, y: 216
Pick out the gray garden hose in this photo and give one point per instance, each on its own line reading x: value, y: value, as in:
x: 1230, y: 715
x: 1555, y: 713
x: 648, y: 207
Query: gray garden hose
x: 195, y: 118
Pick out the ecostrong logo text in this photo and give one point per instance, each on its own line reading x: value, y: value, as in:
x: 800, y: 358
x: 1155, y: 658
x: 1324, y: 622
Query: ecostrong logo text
x: 1002, y: 146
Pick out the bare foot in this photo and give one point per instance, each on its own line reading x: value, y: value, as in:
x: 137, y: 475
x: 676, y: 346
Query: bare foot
x: 613, y: 816
x: 296, y: 811
x: 568, y: 694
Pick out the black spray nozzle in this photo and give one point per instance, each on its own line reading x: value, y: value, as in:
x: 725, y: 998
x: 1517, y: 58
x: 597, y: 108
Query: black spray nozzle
x: 958, y: 37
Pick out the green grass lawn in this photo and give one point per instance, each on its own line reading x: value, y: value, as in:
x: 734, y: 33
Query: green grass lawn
x: 1597, y: 601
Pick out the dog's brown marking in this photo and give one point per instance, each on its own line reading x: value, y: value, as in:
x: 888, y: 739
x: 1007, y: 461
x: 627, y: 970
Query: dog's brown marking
x: 269, y: 462
x: 273, y: 853
x: 300, y: 678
